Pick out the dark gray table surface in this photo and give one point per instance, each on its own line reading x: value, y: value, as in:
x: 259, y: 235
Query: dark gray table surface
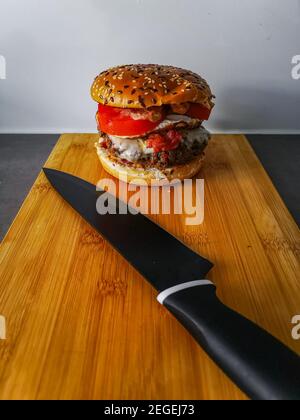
x: 22, y: 156
x: 280, y: 156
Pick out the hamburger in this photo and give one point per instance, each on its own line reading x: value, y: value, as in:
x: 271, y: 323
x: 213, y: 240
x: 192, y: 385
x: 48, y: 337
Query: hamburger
x: 150, y: 120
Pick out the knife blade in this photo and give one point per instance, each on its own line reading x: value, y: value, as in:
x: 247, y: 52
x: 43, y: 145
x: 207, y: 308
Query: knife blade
x: 263, y: 367
x: 133, y: 235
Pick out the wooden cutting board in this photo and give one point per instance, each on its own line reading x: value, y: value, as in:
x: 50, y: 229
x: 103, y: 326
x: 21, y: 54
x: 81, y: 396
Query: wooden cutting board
x: 83, y: 324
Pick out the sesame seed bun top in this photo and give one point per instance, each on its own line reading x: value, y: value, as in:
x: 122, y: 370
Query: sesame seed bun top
x: 147, y: 85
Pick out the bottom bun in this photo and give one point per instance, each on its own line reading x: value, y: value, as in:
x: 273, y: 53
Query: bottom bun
x: 150, y: 176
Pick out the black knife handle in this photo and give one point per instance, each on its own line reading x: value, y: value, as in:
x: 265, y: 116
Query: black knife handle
x: 263, y: 367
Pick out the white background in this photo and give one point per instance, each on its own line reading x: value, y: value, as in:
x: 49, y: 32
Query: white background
x: 54, y: 48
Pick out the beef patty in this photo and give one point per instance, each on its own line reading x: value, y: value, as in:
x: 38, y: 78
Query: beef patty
x: 136, y: 154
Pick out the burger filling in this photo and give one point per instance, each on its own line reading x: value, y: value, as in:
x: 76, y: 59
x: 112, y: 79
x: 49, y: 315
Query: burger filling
x: 157, y: 137
x: 175, y: 141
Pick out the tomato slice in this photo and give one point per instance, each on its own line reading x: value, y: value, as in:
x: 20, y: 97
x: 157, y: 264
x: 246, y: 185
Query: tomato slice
x: 198, y: 111
x: 128, y: 122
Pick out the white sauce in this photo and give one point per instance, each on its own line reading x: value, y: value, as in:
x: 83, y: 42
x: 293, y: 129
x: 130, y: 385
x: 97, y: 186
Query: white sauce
x: 199, y: 135
x: 128, y: 149
x: 173, y: 119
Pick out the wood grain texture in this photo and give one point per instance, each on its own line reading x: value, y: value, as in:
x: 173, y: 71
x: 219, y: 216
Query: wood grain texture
x: 83, y: 324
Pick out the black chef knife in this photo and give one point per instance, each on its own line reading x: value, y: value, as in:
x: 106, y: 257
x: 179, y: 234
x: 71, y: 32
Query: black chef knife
x: 257, y: 362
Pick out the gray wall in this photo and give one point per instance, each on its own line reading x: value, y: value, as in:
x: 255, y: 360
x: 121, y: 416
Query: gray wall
x: 54, y: 48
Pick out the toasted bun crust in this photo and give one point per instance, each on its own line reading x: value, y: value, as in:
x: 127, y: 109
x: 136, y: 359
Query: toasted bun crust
x: 146, y: 85
x: 150, y: 176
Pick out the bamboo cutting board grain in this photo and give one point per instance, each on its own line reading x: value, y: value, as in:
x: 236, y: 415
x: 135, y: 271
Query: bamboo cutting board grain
x: 81, y: 323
